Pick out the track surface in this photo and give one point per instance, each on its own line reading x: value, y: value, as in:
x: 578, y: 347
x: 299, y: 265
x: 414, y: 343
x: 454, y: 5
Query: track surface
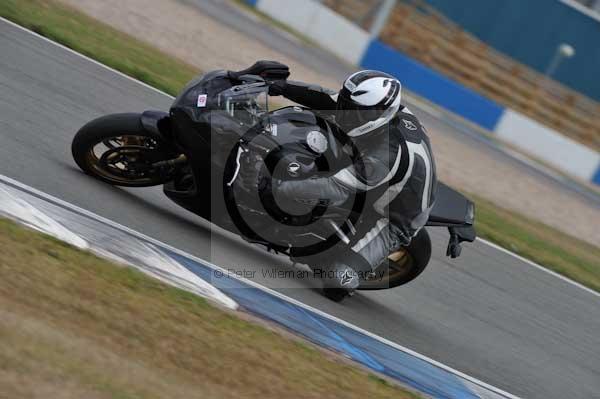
x: 487, y: 314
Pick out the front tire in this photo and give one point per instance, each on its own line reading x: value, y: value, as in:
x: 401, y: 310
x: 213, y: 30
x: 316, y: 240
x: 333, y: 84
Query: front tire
x: 403, y: 266
x: 127, y: 153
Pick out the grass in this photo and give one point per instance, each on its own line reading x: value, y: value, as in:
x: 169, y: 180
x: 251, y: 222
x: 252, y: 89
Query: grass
x: 557, y: 251
x: 542, y: 244
x: 74, y: 325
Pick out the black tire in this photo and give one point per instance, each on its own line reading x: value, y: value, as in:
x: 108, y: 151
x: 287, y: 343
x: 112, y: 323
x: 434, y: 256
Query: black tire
x: 105, y: 128
x: 418, y: 254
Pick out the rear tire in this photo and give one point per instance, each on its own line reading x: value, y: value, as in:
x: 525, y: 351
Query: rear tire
x: 114, y: 126
x: 409, y: 266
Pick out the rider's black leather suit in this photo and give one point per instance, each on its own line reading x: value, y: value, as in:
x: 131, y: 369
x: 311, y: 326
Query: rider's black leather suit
x: 394, y: 165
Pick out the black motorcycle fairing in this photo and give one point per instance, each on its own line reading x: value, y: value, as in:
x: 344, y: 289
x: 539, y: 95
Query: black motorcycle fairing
x: 210, y: 141
x: 210, y: 84
x: 157, y: 122
x: 280, y: 141
x: 205, y: 134
x: 293, y: 126
x: 198, y: 125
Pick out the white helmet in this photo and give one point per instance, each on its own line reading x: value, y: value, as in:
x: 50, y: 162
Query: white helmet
x: 367, y: 101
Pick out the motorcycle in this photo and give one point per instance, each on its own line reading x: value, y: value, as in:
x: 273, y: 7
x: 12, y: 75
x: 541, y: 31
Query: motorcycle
x: 221, y: 123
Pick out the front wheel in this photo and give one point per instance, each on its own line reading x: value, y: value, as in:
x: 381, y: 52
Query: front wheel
x: 118, y: 150
x: 402, y: 266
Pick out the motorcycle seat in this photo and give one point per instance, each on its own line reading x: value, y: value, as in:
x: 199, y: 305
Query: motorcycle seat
x: 268, y: 70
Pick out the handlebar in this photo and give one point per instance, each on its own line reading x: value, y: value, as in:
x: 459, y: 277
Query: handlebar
x: 267, y: 70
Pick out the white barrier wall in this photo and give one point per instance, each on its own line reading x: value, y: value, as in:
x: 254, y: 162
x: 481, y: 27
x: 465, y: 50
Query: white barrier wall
x: 321, y: 24
x: 548, y: 145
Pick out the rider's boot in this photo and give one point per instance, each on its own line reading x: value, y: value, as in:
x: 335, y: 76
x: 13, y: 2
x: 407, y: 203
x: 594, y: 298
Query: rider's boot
x: 339, y: 281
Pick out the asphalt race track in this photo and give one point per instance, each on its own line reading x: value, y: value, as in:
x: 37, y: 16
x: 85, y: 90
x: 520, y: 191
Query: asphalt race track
x: 486, y: 314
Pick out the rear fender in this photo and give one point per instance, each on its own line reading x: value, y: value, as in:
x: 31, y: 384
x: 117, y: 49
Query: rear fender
x: 456, y: 212
x: 451, y: 209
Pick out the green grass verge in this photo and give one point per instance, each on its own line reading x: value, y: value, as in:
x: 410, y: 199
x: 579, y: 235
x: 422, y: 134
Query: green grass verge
x: 557, y: 251
x: 75, y: 325
x: 540, y: 243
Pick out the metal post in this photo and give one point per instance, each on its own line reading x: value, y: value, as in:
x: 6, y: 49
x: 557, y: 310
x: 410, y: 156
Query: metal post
x: 382, y: 17
x: 562, y: 51
x: 553, y: 65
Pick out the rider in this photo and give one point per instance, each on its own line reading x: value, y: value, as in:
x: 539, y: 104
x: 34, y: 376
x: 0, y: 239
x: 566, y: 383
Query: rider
x: 394, y: 164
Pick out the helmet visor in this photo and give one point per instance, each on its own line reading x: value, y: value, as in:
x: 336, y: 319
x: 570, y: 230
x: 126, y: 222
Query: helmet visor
x: 350, y: 115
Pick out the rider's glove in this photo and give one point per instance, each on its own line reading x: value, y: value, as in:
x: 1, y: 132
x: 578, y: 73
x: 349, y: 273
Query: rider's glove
x: 277, y: 87
x: 250, y: 172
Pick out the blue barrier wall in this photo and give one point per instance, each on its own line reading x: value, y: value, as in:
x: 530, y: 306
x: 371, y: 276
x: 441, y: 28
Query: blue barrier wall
x: 433, y: 86
x: 530, y: 31
x: 596, y: 178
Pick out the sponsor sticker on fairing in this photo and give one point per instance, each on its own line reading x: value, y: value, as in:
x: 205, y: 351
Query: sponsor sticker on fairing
x: 202, y: 100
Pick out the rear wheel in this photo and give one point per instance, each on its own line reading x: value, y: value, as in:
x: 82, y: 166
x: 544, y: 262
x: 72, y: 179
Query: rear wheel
x: 402, y: 266
x: 118, y: 150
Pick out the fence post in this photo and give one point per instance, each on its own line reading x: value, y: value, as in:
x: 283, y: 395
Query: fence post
x: 381, y: 18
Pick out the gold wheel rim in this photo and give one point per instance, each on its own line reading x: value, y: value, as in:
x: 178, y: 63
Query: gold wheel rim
x: 398, y: 256
x: 93, y: 161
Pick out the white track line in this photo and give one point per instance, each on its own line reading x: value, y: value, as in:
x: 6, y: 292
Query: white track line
x: 75, y: 208
x: 85, y: 57
x: 539, y: 267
